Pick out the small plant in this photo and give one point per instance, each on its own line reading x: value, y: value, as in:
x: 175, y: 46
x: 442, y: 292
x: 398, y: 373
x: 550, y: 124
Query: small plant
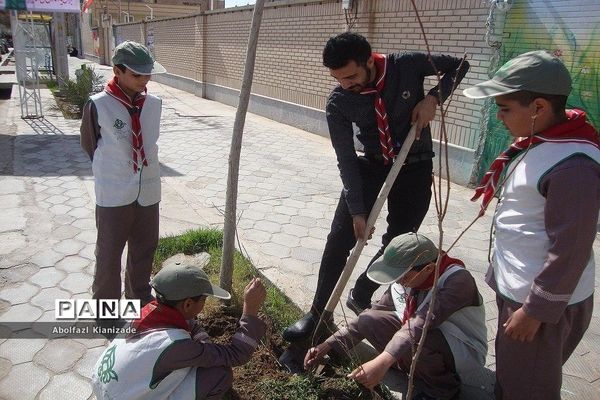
x: 77, y: 92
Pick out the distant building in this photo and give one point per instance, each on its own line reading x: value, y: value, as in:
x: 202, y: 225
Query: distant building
x: 95, y: 27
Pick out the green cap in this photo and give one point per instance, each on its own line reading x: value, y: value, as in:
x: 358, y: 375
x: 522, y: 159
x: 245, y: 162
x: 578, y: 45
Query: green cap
x: 178, y: 281
x: 535, y: 71
x: 137, y: 58
x: 404, y: 251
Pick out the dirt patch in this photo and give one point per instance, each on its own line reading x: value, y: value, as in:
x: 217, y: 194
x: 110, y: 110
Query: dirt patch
x: 69, y: 111
x: 264, y: 379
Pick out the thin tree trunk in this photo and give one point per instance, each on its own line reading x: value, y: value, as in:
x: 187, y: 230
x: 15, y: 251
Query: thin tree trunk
x: 234, y: 153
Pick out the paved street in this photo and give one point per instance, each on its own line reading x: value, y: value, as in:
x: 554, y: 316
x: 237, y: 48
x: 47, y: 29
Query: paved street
x: 289, y: 187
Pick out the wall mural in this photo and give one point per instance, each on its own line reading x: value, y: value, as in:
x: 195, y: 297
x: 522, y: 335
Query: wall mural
x: 575, y: 40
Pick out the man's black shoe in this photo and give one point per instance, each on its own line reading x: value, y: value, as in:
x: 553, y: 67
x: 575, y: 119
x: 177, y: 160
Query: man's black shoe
x: 302, y: 329
x: 305, y: 327
x: 356, y: 306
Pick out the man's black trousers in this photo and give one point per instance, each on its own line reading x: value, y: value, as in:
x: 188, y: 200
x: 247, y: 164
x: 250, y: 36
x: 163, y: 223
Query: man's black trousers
x: 407, y: 204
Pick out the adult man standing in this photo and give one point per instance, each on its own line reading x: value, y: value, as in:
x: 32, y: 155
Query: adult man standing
x: 383, y: 96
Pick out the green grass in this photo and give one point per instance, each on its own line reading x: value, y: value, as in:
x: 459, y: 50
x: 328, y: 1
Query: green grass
x: 190, y: 242
x: 298, y: 387
x: 50, y: 84
x: 278, y: 307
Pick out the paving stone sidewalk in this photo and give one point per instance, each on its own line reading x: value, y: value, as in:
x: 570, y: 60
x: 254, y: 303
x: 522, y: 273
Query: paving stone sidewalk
x: 289, y: 187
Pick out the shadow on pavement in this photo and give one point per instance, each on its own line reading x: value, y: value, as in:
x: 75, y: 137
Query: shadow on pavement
x: 48, y: 152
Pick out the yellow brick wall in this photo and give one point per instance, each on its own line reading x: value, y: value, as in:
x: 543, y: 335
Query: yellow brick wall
x: 175, y: 45
x: 210, y: 47
x: 135, y: 32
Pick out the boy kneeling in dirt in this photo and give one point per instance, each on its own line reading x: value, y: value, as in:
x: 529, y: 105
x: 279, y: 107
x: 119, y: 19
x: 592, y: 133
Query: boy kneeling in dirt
x: 170, y: 356
x: 456, y: 342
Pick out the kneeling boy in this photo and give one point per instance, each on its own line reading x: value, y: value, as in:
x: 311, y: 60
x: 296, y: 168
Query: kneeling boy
x: 456, y: 342
x: 169, y: 356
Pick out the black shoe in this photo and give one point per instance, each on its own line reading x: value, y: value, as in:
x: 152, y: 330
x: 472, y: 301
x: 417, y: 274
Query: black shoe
x: 302, y: 329
x: 356, y: 306
x: 305, y: 327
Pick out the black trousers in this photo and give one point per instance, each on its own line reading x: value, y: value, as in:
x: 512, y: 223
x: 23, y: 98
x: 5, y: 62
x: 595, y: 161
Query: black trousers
x: 408, y: 202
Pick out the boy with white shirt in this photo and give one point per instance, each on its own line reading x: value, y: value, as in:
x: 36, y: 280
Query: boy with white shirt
x: 119, y: 131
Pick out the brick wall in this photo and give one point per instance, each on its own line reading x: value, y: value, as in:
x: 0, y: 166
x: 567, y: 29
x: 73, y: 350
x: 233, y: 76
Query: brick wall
x: 175, y: 45
x: 210, y: 47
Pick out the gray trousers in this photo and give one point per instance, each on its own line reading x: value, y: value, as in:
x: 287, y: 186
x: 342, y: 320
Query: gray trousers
x: 435, y: 371
x: 533, y: 371
x: 138, y: 227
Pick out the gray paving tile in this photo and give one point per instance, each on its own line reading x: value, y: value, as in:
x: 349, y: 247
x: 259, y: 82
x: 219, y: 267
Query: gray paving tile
x: 11, y: 241
x: 295, y: 230
x: 59, y: 355
x: 12, y: 219
x: 47, y: 277
x: 60, y: 209
x: 9, y: 201
x: 62, y: 219
x: 5, y: 366
x: 77, y: 282
x: 57, y: 199
x: 88, y: 252
x: 84, y: 367
x: 285, y: 240
x: 308, y: 255
x: 88, y: 236
x: 12, y: 186
x: 312, y: 243
x: 92, y: 343
x: 47, y: 258
x: 20, y: 293
x: 18, y: 272
x: 307, y: 222
x: 73, y: 264
x: 45, y: 299
x: 258, y: 236
x: 66, y: 386
x: 19, y: 351
x: 268, y: 226
x: 276, y: 250
x: 85, y: 223
x: 65, y: 232
x: 79, y: 212
x: 24, y: 382
x: 574, y: 388
x: 580, y: 367
x: 69, y: 247
x: 21, y: 313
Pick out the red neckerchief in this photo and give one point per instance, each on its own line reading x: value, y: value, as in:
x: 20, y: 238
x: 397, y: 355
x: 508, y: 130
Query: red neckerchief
x: 134, y: 109
x: 385, y: 137
x: 575, y: 130
x: 156, y: 316
x: 411, y: 298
